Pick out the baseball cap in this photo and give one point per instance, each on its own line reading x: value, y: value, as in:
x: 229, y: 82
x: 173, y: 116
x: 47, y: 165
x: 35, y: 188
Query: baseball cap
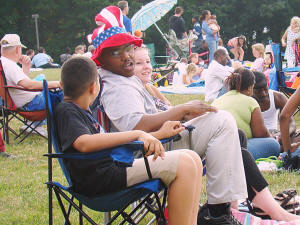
x: 11, y: 40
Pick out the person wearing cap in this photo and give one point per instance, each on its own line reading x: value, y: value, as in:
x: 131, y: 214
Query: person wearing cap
x: 42, y: 60
x: 11, y: 54
x: 123, y: 5
x: 197, y: 29
x: 130, y: 107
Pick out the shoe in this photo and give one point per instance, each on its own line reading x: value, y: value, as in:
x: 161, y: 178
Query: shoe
x: 6, y: 155
x: 204, y: 218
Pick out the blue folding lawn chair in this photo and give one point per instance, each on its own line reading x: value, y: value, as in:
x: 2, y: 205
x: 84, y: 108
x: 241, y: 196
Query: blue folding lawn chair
x: 115, y: 201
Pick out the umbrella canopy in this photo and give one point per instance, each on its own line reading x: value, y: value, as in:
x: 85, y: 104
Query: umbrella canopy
x: 151, y: 13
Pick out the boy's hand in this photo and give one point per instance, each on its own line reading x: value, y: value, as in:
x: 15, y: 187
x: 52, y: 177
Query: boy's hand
x: 170, y: 128
x: 152, y: 145
x: 197, y: 108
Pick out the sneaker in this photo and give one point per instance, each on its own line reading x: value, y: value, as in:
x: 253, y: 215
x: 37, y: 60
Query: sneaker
x: 204, y: 218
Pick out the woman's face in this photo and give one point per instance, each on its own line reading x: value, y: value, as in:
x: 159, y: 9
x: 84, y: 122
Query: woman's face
x: 143, y: 68
x: 294, y: 24
x: 241, y: 41
x: 208, y: 15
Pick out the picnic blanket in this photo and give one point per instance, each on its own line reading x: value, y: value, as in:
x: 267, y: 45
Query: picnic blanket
x: 192, y: 89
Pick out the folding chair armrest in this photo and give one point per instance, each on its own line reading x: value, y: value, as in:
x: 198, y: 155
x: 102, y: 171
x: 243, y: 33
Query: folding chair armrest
x: 21, y: 88
x: 24, y: 89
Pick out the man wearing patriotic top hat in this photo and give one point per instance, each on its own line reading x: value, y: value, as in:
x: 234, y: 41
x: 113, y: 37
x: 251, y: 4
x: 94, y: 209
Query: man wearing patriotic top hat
x: 130, y: 107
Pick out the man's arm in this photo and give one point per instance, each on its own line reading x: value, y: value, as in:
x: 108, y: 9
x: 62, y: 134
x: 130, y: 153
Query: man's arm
x: 280, y: 102
x: 190, y: 110
x: 33, y: 84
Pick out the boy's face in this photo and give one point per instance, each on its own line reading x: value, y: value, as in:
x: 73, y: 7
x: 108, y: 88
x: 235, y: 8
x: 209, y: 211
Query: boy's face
x: 119, y: 59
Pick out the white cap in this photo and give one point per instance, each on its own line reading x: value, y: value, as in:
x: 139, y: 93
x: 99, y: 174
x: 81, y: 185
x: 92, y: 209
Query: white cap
x: 11, y: 40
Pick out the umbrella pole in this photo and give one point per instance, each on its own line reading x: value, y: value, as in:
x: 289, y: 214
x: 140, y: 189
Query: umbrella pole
x: 164, y: 37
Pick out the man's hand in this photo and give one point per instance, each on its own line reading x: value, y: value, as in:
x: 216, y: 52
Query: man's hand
x: 25, y: 61
x: 197, y: 108
x: 152, y: 145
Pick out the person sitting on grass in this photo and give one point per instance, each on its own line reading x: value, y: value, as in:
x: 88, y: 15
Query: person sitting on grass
x: 247, y: 113
x: 180, y: 170
x: 130, y: 107
x: 270, y: 103
x: 42, y: 60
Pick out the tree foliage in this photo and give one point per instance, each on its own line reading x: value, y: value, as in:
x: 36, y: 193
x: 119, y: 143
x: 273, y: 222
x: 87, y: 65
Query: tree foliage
x: 65, y: 23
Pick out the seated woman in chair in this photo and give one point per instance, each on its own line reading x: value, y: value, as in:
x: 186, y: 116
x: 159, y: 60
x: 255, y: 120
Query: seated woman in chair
x: 247, y: 113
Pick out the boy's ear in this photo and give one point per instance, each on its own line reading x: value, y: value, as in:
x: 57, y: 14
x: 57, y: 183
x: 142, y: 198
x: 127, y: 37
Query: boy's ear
x: 92, y: 87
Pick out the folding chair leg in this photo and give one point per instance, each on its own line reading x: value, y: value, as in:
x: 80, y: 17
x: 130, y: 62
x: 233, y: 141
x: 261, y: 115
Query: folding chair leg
x: 50, y: 205
x: 107, y: 217
x: 67, y: 221
x: 60, y: 192
x: 69, y: 208
x: 80, y: 215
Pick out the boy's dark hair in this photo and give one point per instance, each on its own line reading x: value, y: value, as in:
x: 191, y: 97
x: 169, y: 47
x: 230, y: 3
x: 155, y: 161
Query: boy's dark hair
x: 178, y: 9
x: 77, y: 74
x: 241, y: 79
x: 260, y: 79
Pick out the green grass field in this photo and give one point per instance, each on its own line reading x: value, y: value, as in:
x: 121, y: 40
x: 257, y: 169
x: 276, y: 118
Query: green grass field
x: 24, y: 196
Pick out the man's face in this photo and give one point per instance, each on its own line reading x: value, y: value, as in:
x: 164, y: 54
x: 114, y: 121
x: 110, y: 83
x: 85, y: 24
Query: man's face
x: 119, y: 60
x: 261, y: 92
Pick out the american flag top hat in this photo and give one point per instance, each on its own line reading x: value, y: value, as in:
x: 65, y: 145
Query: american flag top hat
x: 111, y: 32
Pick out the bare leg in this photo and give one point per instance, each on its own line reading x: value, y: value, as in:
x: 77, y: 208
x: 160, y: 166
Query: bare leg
x: 182, y: 192
x: 235, y: 53
x: 198, y: 163
x: 265, y: 201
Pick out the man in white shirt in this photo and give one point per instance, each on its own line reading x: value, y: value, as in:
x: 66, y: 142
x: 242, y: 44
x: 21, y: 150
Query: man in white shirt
x: 215, y: 75
x: 11, y: 54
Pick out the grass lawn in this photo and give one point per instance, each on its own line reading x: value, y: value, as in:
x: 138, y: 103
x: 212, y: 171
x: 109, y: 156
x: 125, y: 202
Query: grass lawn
x: 24, y: 196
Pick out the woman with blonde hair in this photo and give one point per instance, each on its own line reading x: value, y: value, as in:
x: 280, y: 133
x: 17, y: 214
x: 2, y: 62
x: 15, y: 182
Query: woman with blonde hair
x: 290, y: 35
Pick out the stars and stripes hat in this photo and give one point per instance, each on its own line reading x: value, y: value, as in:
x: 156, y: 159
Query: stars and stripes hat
x: 111, y: 32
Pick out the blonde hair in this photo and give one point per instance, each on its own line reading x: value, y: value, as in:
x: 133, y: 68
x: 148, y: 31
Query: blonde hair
x: 260, y: 48
x: 296, y: 20
x: 191, y: 70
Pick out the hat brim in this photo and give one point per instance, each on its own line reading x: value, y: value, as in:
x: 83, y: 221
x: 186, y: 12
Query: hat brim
x: 113, y: 41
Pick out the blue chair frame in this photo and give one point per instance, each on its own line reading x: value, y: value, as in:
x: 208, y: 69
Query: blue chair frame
x: 118, y: 201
